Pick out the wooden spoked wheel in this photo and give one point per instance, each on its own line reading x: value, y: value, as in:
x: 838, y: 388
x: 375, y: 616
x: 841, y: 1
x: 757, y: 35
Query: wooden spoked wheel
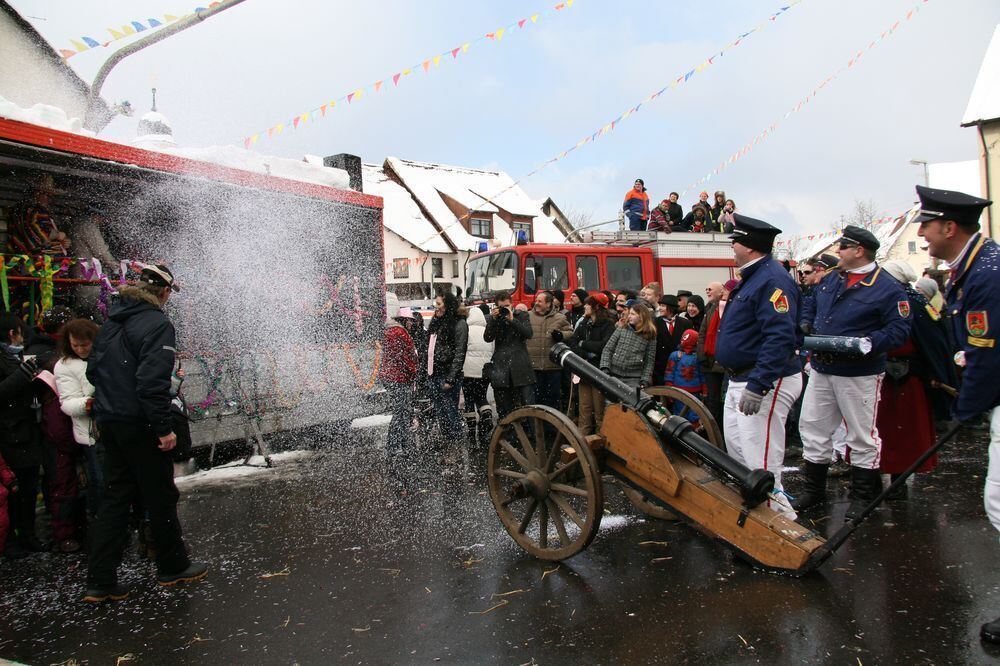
x: 709, y: 429
x: 544, y: 483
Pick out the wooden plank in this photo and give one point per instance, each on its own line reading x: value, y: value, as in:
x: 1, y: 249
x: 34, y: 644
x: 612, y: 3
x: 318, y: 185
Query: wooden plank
x: 696, y: 493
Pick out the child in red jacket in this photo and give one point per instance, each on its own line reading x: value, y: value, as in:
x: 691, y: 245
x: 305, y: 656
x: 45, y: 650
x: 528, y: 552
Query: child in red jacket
x: 397, y: 372
x: 8, y: 484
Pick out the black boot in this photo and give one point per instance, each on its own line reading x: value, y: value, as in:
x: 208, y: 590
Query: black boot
x: 990, y: 632
x: 814, y: 490
x: 900, y: 492
x: 486, y: 426
x: 866, y: 484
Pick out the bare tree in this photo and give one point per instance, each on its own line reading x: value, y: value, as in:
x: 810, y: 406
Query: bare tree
x: 864, y: 215
x: 577, y: 217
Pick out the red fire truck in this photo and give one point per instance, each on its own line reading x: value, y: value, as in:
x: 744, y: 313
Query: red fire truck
x: 606, y: 260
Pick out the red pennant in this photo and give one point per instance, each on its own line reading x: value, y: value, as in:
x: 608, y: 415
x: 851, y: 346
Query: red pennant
x: 322, y: 110
x: 378, y: 84
x: 561, y: 5
x: 491, y: 35
x: 350, y: 96
x: 427, y: 65
x: 295, y: 122
x: 395, y: 79
x: 454, y: 52
x: 520, y: 24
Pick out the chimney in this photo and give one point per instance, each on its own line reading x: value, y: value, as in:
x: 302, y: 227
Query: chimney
x: 349, y: 163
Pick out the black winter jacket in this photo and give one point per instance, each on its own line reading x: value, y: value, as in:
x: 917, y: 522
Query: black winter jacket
x: 511, y: 364
x: 449, y: 350
x: 20, y: 436
x: 132, y: 362
x: 591, y: 336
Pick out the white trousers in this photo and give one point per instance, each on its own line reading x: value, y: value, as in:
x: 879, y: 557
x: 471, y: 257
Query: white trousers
x: 830, y: 401
x: 991, y: 494
x: 758, y: 441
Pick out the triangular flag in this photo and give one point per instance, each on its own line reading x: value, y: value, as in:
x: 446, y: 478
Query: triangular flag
x: 279, y: 127
x: 454, y: 52
x: 254, y: 138
x: 465, y: 47
x: 427, y: 65
x: 169, y: 18
x: 358, y: 93
x: 378, y: 84
x: 270, y: 132
x: 395, y: 79
x: 437, y: 61
x: 91, y: 42
x: 128, y: 30
x: 406, y: 72
x: 295, y: 122
x: 138, y: 26
x: 688, y: 75
x: 500, y: 33
x: 560, y: 6
x: 350, y: 96
x: 153, y: 23
x: 305, y: 116
x: 491, y: 35
x: 66, y: 53
x: 78, y: 45
x: 115, y: 34
x: 333, y: 103
x: 520, y: 24
x: 322, y: 110
x: 534, y: 18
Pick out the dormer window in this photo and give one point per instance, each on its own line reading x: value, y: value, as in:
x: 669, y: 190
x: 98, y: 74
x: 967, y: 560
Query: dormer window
x: 481, y: 226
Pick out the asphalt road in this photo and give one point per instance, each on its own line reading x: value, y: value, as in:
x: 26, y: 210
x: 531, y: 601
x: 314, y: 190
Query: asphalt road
x: 338, y: 557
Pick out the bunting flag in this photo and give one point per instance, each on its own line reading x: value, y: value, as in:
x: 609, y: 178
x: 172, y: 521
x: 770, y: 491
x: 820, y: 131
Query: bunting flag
x: 609, y: 127
x: 425, y: 65
x: 85, y: 43
x: 770, y: 129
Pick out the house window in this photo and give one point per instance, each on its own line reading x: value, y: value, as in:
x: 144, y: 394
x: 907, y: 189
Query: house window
x: 437, y: 267
x: 522, y: 226
x: 454, y: 267
x: 480, y: 227
x: 911, y: 247
x: 400, y: 268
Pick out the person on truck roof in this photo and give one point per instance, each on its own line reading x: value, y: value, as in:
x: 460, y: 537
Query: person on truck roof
x: 659, y: 218
x: 636, y: 206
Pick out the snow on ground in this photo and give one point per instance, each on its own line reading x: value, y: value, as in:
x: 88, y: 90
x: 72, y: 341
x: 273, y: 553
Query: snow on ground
x: 283, y: 463
x: 376, y: 421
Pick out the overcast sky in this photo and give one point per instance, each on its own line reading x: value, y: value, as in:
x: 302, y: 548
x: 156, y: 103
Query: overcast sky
x: 519, y: 102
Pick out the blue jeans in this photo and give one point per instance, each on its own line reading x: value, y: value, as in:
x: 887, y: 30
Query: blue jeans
x: 548, y: 388
x: 94, y: 460
x: 399, y: 397
x: 446, y: 405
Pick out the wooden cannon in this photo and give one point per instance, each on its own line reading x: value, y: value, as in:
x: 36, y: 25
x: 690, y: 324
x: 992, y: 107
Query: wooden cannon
x: 545, y: 478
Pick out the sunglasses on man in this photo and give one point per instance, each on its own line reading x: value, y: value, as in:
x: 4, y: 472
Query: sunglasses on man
x: 806, y: 273
x: 847, y: 245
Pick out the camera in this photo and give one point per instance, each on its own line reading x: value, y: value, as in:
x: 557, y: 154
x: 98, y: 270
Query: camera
x: 503, y: 312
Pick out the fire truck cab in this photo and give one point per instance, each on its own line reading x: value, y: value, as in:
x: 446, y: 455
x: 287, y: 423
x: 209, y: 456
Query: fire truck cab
x: 616, y: 261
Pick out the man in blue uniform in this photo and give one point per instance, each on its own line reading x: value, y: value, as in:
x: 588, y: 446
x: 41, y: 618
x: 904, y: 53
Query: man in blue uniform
x: 949, y: 222
x: 758, y: 345
x: 859, y: 301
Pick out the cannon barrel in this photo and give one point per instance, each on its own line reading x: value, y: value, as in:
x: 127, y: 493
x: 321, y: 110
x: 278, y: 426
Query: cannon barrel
x: 754, y: 484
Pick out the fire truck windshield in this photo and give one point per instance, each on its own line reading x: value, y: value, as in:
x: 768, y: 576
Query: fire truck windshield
x: 487, y: 275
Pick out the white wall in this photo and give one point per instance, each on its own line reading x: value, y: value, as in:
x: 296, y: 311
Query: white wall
x: 28, y: 77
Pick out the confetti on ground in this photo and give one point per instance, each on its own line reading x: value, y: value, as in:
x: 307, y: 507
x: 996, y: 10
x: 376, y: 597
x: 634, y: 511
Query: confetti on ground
x: 283, y: 572
x: 661, y: 559
x: 654, y: 543
x: 553, y: 570
x: 507, y: 594
x: 503, y: 602
x: 125, y: 657
x: 743, y: 639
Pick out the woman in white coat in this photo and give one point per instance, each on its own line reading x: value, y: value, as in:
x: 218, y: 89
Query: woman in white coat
x: 76, y: 395
x: 476, y: 381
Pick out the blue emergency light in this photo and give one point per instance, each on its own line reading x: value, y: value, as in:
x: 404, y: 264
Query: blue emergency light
x: 483, y: 246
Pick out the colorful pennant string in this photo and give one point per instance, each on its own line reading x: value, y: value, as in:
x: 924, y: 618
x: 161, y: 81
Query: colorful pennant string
x: 764, y: 135
x: 85, y: 43
x: 609, y: 127
x: 424, y: 65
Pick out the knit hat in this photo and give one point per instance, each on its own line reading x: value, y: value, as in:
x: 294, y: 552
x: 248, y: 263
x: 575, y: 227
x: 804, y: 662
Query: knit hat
x: 581, y: 294
x: 730, y: 284
x: 697, y: 300
x: 927, y: 286
x: 900, y: 270
x: 559, y: 295
x: 602, y: 299
x: 689, y: 341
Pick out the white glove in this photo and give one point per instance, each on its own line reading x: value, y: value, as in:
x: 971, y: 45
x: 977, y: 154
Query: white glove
x: 866, y: 345
x: 750, y: 402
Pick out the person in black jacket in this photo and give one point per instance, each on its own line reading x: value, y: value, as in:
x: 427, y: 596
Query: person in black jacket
x: 593, y: 332
x: 448, y: 340
x: 130, y: 367
x: 20, y: 436
x: 511, y: 374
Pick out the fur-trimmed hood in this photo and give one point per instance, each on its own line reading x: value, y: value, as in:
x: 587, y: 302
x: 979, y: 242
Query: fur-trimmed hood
x: 131, y: 301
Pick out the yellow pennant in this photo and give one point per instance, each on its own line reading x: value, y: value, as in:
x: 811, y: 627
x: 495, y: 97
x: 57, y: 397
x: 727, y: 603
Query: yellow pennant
x: 500, y: 33
x: 128, y: 30
x: 437, y: 61
x: 465, y: 47
x: 115, y: 34
x: 78, y: 46
x: 279, y: 127
x: 534, y: 18
x: 169, y: 18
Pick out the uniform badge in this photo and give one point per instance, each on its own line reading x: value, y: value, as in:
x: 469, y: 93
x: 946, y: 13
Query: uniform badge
x: 977, y: 323
x: 933, y: 312
x: 780, y: 304
x: 904, y: 308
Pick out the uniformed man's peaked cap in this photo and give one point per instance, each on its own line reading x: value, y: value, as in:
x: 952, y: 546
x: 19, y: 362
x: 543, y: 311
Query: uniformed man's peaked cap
x: 962, y: 209
x: 859, y: 236
x: 754, y: 234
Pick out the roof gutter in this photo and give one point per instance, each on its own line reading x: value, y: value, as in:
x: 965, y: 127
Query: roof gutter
x: 93, y: 110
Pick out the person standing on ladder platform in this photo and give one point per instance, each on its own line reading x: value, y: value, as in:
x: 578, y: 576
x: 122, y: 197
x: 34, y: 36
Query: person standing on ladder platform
x: 949, y: 222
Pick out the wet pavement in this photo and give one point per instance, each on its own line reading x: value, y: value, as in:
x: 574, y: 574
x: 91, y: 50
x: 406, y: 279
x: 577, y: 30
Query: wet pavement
x: 336, y: 557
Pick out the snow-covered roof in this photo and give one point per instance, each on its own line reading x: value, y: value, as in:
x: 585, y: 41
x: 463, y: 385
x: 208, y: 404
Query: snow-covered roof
x: 400, y: 213
x: 53, y: 117
x: 425, y: 181
x: 984, y: 103
x: 467, y: 198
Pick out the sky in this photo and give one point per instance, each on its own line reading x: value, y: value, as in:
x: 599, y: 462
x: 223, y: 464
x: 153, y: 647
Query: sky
x: 516, y: 103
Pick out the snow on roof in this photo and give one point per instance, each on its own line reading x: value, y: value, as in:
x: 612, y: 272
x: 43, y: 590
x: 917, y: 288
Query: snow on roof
x: 467, y: 198
x: 400, y: 213
x: 957, y: 176
x: 984, y: 103
x: 53, y: 117
x: 426, y: 180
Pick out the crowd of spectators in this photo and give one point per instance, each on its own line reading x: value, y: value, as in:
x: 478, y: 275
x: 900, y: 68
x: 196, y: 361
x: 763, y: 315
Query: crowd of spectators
x: 668, y: 215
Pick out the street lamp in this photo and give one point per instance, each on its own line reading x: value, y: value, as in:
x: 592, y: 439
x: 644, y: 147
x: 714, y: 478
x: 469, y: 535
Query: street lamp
x: 927, y: 175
